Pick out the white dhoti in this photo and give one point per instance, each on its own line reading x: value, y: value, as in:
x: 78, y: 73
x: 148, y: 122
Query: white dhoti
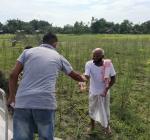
x: 99, y: 109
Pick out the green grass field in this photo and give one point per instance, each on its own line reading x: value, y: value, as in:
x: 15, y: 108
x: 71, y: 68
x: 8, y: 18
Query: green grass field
x: 130, y: 98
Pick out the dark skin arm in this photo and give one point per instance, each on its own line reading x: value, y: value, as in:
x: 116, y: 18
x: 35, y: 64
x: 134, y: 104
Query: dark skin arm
x: 112, y: 81
x: 13, y: 79
x: 77, y: 77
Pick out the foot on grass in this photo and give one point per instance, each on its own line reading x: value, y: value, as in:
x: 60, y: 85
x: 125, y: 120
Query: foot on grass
x: 90, y: 130
x: 108, y: 131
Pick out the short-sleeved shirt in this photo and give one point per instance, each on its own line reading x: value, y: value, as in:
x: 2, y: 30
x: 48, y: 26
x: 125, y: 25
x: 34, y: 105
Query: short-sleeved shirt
x: 41, y: 66
x: 97, y: 84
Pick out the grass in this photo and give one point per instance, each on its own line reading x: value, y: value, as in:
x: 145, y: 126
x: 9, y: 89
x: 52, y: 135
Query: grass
x: 130, y: 106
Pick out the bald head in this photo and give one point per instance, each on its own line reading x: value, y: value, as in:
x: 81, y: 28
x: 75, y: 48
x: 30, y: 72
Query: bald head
x: 98, y: 55
x: 98, y: 50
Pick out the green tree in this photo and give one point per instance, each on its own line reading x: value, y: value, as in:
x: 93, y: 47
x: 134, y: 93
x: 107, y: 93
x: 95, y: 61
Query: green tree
x: 1, y: 25
x: 101, y: 26
x: 56, y: 29
x: 41, y: 26
x: 126, y: 27
x: 80, y: 28
x: 137, y: 29
x: 34, y: 24
x: 68, y: 29
x: 28, y: 29
x: 116, y: 28
x: 13, y: 25
x: 146, y: 27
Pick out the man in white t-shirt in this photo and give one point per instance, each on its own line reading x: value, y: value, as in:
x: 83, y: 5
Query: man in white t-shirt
x: 101, y: 74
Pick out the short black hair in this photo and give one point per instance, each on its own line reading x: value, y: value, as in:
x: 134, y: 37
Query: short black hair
x: 50, y: 38
x: 28, y: 47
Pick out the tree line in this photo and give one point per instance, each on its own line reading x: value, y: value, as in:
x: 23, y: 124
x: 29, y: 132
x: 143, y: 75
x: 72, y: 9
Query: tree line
x: 95, y: 26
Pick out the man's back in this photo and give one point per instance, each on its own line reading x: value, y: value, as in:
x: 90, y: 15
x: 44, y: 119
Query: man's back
x: 37, y: 88
x: 35, y: 102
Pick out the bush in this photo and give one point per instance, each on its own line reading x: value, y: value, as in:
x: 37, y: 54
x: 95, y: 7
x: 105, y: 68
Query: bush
x: 3, y: 82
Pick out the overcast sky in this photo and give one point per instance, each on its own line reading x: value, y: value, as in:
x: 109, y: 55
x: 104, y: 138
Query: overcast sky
x: 62, y: 12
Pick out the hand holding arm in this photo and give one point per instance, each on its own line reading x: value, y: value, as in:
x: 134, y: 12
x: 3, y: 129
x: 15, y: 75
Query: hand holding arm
x: 83, y: 85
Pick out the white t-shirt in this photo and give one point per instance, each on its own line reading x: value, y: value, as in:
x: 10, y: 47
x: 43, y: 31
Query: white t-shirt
x: 97, y: 85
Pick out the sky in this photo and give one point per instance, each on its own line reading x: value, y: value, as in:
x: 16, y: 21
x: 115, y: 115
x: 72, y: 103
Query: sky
x: 63, y: 12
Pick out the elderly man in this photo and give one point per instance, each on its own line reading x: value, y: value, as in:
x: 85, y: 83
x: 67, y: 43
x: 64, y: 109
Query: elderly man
x: 101, y: 73
x: 35, y: 101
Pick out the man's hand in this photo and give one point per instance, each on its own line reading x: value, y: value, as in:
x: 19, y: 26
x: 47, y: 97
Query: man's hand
x: 82, y: 86
x: 105, y: 92
x: 10, y: 100
x: 84, y: 78
x: 11, y: 106
x: 76, y: 76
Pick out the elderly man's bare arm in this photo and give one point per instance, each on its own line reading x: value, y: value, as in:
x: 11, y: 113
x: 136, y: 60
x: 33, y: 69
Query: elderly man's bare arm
x: 112, y: 81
